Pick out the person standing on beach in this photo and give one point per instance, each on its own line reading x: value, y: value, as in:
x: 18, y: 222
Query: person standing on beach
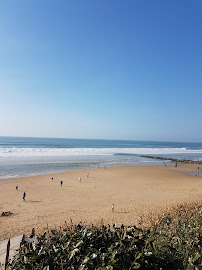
x: 24, y: 195
x: 175, y: 165
x: 16, y: 188
x: 61, y: 183
x: 113, y: 207
x: 79, y: 179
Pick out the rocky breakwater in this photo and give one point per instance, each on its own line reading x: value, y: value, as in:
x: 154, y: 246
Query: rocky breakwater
x: 175, y: 160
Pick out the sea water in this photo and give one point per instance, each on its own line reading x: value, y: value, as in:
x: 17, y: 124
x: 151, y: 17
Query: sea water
x: 32, y: 156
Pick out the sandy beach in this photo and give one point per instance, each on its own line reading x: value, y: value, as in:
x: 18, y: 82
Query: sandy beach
x: 135, y: 191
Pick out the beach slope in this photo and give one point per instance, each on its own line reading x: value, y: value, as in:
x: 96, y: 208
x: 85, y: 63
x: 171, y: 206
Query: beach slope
x: 135, y: 191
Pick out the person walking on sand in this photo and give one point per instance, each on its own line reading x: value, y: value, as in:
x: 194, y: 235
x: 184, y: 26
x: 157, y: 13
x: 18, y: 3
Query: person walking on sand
x: 24, y: 195
x: 16, y: 188
x: 61, y: 183
x: 79, y: 179
x: 113, y: 207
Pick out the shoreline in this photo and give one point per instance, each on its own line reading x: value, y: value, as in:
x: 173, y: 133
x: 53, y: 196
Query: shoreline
x: 118, y: 166
x: 135, y: 191
x: 89, y: 169
x: 129, y: 164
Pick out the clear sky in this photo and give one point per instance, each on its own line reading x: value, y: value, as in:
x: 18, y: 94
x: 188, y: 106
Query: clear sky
x: 108, y: 69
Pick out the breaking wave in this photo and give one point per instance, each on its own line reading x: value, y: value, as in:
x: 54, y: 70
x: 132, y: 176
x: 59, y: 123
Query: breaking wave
x: 62, y: 152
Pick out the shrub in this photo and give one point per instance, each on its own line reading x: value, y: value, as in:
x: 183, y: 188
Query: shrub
x: 172, y: 243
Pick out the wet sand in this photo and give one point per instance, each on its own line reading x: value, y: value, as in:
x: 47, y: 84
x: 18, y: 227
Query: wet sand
x: 135, y: 191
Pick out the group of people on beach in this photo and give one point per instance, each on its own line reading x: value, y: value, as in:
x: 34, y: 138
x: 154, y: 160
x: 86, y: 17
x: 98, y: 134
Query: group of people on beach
x: 6, y: 214
x: 61, y: 184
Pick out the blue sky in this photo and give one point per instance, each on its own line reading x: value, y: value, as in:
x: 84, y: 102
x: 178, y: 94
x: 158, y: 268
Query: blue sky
x: 107, y: 69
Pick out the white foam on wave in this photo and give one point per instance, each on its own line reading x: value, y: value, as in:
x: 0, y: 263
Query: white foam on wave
x: 62, y: 152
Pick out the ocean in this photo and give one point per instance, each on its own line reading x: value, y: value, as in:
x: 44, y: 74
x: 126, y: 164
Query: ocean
x: 20, y: 156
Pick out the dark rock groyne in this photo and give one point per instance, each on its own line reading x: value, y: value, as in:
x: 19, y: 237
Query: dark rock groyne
x: 175, y: 160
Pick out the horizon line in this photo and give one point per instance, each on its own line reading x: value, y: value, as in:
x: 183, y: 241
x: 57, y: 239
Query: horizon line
x: 99, y: 139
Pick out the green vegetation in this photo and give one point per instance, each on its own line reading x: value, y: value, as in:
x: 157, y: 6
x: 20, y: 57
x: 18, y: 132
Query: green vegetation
x: 174, y: 242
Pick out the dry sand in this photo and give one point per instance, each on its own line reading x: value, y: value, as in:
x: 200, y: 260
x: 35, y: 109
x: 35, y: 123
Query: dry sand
x: 135, y: 192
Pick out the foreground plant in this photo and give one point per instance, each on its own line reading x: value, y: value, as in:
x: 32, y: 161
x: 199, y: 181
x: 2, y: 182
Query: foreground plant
x: 180, y: 230
x: 173, y: 243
